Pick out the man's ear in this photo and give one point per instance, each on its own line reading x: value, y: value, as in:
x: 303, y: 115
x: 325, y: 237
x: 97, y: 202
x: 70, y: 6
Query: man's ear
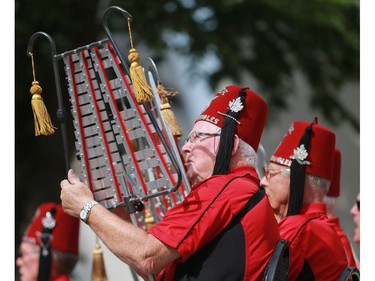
x: 236, y: 143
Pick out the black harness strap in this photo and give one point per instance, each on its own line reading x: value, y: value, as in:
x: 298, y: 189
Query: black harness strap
x: 200, y: 265
x: 252, y: 202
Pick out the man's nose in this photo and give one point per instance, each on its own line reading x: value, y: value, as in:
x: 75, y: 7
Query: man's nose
x: 19, y: 261
x: 186, y: 147
x: 264, y: 182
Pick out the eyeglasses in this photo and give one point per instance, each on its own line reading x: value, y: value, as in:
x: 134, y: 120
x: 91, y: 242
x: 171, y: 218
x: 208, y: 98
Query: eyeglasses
x: 358, y: 202
x: 269, y: 172
x: 195, y: 136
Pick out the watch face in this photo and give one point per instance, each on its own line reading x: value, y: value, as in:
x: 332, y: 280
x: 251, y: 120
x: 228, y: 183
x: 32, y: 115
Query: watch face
x: 83, y: 214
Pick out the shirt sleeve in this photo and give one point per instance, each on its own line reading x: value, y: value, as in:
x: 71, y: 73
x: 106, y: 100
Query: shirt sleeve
x: 204, y: 213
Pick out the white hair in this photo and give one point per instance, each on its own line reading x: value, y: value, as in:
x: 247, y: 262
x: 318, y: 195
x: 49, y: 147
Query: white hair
x: 331, y: 204
x: 318, y: 184
x: 245, y: 155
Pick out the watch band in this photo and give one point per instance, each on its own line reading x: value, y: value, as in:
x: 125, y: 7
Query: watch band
x: 87, y: 208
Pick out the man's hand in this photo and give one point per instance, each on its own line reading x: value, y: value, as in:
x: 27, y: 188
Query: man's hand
x: 74, y: 194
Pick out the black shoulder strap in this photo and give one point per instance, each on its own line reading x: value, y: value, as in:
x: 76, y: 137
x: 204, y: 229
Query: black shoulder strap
x: 252, y: 202
x: 249, y: 205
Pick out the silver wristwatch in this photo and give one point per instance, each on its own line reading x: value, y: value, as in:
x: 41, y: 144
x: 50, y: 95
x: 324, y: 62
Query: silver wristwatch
x: 85, y: 211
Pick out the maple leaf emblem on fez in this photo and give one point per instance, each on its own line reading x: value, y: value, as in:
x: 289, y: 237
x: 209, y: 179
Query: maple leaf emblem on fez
x: 235, y: 105
x: 300, y: 154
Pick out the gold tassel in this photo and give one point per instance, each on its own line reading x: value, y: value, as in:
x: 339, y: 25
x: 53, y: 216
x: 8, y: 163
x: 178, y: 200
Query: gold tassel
x: 166, y: 110
x: 42, y: 120
x: 149, y: 218
x: 142, y: 90
x: 98, y: 268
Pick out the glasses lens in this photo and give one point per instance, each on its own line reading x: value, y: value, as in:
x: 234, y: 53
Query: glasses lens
x: 191, y: 138
x: 358, y: 203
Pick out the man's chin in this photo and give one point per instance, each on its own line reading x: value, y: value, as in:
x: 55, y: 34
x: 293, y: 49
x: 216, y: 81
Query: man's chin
x: 192, y: 177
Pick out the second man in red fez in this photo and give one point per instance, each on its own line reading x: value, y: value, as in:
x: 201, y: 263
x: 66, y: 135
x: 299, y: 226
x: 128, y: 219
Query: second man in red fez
x: 296, y: 181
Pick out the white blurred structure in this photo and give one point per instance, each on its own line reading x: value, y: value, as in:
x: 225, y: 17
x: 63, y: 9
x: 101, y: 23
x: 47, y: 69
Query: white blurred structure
x: 116, y: 270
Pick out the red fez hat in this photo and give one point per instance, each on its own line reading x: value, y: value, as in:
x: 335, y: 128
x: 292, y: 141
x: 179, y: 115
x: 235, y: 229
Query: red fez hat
x: 334, y: 188
x: 65, y: 228
x: 252, y: 113
x: 319, y: 157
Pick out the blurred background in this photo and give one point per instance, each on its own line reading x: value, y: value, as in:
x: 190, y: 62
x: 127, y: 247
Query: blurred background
x: 301, y: 56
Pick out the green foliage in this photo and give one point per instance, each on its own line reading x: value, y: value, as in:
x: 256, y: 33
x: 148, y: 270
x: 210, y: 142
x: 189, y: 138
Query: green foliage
x: 268, y: 40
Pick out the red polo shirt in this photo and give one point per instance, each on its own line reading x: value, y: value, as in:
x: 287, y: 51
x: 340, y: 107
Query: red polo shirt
x: 316, y: 252
x: 207, y: 215
x: 344, y: 240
